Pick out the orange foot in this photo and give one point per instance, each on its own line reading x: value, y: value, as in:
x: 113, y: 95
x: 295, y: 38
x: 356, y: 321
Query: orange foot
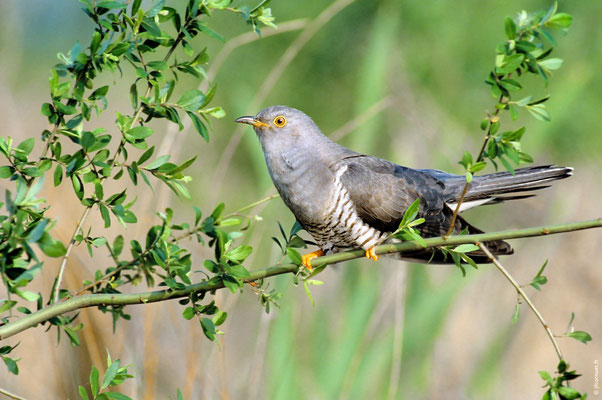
x: 306, y: 259
x: 370, y: 254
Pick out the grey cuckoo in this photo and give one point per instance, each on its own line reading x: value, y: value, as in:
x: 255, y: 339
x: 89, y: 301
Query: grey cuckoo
x: 346, y: 199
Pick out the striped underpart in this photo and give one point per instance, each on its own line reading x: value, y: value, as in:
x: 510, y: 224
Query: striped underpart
x: 342, y: 226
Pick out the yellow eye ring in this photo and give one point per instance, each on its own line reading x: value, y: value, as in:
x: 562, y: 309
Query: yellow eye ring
x: 279, y: 121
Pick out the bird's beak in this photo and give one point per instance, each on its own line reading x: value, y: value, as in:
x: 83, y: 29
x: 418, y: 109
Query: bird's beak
x: 251, y: 121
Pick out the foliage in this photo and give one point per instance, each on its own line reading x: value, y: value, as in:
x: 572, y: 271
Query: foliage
x: 156, y: 44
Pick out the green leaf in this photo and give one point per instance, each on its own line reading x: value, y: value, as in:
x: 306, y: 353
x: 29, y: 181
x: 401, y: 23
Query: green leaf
x: 158, y: 65
x: 94, y: 381
x: 294, y: 256
x: 546, y: 377
x: 134, y: 96
x: 104, y: 212
x: 83, y: 393
x: 36, y: 233
x: 308, y: 293
x: 7, y: 305
x: 99, y: 93
x: 581, y: 336
x: 515, y: 317
x: 53, y: 249
x: 188, y: 313
x: 191, y: 100
x: 539, y: 111
x: 215, y: 112
x: 140, y: 132
x: 199, y: 125
x: 551, y: 63
x: 11, y: 364
x: 410, y: 213
x: 560, y: 20
x: 511, y: 63
x: 220, y: 318
x: 569, y: 393
x: 26, y: 146
x: 465, y: 248
x: 510, y: 28
x: 239, y: 253
x: 116, y: 396
x: 110, y: 374
x: 6, y: 171
x: 64, y: 109
x: 157, y: 163
x: 110, y: 4
x: 208, y: 328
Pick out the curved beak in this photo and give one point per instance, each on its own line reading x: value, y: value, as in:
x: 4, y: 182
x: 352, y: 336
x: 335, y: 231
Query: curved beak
x: 251, y: 121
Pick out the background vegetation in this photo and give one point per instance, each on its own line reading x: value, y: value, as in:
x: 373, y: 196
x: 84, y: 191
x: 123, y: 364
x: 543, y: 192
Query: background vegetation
x: 413, y: 76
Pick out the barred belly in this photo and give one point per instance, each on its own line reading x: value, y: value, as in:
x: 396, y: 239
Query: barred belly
x: 342, y: 227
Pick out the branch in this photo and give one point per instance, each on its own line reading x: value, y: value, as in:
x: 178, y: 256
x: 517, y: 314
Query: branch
x: 92, y: 300
x: 522, y: 293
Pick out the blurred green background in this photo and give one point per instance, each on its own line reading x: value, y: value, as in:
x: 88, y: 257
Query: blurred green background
x: 398, y: 79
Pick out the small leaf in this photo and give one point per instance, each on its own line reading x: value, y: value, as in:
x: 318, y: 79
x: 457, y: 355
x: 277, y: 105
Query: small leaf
x: 510, y: 28
x: 208, y: 328
x: 308, y: 293
x: 581, y: 336
x: 568, y: 393
x: 294, y: 256
x: 546, y: 377
x: 465, y: 248
x: 94, y: 381
x: 26, y: 146
x: 551, y: 63
x: 110, y: 374
x: 157, y: 163
x: 560, y: 20
x: 192, y: 100
x: 140, y: 132
x: 515, y: 317
x: 199, y: 125
x: 83, y: 393
x: 53, y: 249
x: 11, y: 364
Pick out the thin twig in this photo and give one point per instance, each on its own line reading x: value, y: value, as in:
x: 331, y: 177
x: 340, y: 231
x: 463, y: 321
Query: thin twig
x: 11, y: 395
x: 97, y: 299
x: 504, y: 272
x: 59, y: 278
x: 494, y: 118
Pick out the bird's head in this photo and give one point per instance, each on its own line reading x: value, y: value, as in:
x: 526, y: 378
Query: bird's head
x: 284, y: 125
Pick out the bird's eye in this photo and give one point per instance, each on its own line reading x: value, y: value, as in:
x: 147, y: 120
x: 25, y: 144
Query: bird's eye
x: 279, y: 121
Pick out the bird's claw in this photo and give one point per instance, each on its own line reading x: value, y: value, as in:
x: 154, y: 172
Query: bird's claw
x: 306, y: 259
x: 370, y: 254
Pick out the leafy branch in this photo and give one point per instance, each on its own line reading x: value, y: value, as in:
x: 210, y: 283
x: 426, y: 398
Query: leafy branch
x: 526, y: 51
x: 198, y: 289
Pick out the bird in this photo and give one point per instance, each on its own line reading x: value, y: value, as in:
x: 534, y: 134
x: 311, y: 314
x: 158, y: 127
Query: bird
x: 345, y: 199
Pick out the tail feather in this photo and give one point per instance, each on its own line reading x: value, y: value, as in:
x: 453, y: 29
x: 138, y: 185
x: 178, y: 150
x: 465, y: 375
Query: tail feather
x: 495, y: 186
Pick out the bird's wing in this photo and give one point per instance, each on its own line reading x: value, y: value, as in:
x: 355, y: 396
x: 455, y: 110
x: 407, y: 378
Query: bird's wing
x: 382, y: 191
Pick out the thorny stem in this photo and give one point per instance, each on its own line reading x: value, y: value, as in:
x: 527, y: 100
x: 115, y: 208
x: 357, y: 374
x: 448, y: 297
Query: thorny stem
x: 494, y: 118
x: 521, y: 292
x: 97, y: 299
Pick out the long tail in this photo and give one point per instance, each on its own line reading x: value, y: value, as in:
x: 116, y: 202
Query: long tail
x: 500, y: 186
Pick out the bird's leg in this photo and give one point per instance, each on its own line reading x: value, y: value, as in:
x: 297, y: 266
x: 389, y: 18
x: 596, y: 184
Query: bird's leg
x: 306, y: 259
x: 370, y: 254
